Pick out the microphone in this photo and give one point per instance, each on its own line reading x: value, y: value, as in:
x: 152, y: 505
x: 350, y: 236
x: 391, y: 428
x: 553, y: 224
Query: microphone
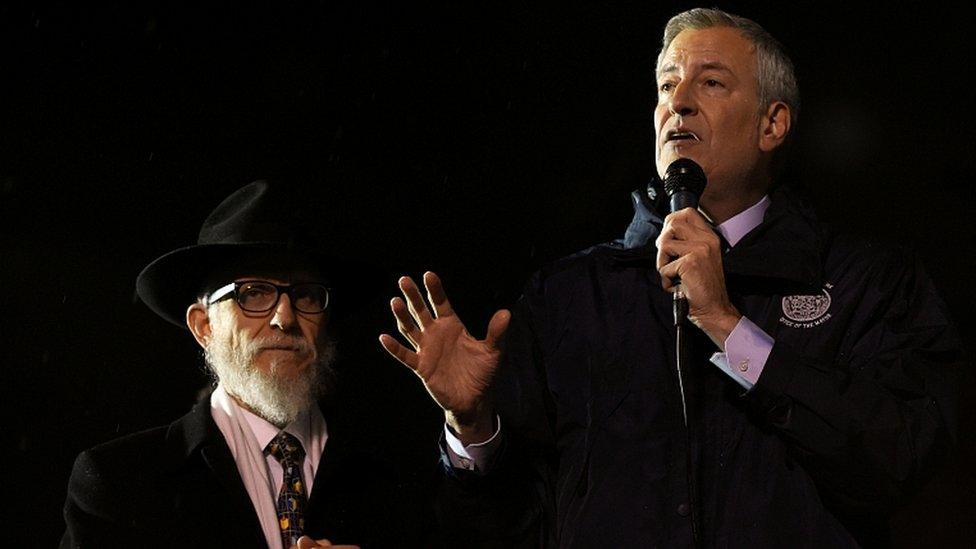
x: 684, y: 182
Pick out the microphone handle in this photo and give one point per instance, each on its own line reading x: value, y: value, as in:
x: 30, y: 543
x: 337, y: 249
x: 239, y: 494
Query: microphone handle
x: 680, y: 305
x: 683, y: 199
x: 679, y: 201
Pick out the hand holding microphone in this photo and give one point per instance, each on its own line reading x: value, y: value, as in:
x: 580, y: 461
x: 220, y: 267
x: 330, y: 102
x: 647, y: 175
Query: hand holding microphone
x: 689, y: 256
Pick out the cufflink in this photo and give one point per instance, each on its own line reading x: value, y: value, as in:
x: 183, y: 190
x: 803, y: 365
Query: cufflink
x: 743, y: 364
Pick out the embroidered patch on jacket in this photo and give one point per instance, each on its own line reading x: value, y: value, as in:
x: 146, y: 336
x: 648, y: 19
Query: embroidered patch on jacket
x: 806, y: 311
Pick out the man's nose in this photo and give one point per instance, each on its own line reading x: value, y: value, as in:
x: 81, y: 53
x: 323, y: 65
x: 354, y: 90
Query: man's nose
x: 284, y: 314
x: 682, y: 101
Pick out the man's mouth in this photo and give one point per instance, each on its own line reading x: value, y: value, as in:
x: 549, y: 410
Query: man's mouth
x: 283, y: 346
x: 681, y: 135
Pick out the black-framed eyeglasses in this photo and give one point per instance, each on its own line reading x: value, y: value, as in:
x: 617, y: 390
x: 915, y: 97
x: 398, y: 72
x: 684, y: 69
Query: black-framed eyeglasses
x: 260, y: 296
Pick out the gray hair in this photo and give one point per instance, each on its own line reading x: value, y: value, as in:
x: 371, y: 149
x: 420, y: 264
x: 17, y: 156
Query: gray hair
x: 775, y: 74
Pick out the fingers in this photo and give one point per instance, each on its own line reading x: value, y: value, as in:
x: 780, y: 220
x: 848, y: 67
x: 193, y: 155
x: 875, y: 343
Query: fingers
x: 669, y: 250
x: 412, y: 315
x: 686, y: 224
x: 497, y: 326
x: 405, y: 323
x: 407, y: 357
x: 684, y: 233
x: 437, y: 295
x: 670, y: 273
x: 689, y: 217
x: 677, y: 258
x: 306, y: 542
x: 675, y: 229
x: 691, y: 259
x: 415, y: 302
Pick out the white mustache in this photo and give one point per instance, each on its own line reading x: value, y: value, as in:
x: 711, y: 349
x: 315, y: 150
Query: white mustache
x: 299, y: 344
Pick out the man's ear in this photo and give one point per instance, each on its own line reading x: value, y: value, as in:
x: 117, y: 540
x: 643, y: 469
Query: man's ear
x: 198, y: 321
x: 774, y: 126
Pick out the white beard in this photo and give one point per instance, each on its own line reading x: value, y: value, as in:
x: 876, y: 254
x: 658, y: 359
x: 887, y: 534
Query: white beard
x: 274, y: 397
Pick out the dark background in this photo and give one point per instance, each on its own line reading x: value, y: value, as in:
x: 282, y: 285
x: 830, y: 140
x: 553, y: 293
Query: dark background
x: 473, y: 141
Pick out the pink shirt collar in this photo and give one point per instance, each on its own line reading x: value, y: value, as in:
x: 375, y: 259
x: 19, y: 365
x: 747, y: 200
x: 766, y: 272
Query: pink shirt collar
x: 739, y: 225
x: 264, y: 431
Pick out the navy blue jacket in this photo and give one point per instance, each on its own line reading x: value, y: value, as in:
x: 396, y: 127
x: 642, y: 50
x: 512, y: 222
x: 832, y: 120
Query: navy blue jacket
x: 854, y: 408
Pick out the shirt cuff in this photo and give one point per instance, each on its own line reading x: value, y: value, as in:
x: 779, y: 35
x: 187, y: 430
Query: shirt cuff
x: 473, y: 457
x: 746, y: 351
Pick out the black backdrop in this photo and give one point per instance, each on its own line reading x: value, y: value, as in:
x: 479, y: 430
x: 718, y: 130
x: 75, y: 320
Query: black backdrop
x: 473, y: 141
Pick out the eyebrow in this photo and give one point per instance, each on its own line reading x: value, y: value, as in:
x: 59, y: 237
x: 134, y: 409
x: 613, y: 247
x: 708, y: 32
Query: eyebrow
x: 711, y: 65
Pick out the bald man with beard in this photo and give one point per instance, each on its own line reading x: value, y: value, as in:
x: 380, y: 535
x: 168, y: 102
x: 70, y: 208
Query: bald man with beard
x: 259, y: 463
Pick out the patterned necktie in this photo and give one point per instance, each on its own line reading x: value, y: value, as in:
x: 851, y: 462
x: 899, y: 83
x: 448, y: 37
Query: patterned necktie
x: 291, y: 499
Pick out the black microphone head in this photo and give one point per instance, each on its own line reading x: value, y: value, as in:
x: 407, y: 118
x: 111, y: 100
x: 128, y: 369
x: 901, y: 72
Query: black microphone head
x: 684, y: 174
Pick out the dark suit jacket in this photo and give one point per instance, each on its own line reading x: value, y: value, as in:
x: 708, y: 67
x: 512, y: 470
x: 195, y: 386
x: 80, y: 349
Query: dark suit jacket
x: 178, y: 486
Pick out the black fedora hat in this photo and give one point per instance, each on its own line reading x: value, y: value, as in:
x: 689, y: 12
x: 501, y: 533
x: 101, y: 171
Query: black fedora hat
x: 260, y: 228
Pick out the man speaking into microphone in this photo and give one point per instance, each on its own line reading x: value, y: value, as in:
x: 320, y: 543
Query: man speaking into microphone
x: 819, y: 385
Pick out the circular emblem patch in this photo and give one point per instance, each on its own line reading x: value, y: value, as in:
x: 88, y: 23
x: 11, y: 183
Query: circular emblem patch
x: 806, y: 308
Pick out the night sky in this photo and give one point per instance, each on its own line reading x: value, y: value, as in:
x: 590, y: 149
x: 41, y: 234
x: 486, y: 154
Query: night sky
x: 478, y: 142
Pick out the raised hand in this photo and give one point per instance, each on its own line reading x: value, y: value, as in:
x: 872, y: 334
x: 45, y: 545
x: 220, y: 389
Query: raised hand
x: 456, y: 368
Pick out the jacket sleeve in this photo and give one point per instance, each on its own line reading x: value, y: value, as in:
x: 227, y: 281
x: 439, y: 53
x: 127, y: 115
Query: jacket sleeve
x: 510, y: 504
x: 872, y: 424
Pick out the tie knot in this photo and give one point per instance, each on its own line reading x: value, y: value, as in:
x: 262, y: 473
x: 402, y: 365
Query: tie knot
x: 286, y: 447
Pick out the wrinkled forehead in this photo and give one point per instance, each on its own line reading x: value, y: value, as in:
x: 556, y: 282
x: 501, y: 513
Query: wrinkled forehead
x: 713, y: 47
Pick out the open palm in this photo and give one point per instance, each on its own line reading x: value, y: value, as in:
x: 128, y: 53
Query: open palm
x: 456, y: 368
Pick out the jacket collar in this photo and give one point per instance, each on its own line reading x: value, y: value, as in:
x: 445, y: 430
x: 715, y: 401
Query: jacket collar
x: 196, y: 434
x: 197, y: 430
x: 193, y: 432
x: 787, y: 246
x: 194, y: 437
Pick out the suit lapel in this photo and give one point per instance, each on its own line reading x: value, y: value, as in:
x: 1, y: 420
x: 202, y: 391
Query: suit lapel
x: 195, y: 438
x: 342, y: 501
x: 322, y: 476
x: 329, y: 465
